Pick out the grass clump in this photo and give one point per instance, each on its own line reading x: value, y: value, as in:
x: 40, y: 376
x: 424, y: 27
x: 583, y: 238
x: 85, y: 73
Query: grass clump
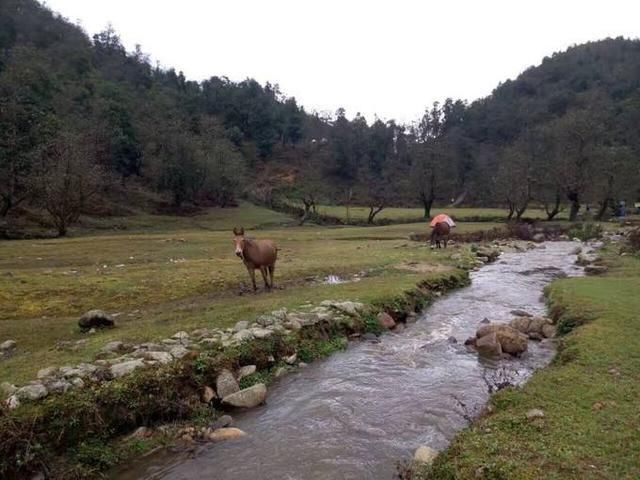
x: 586, y: 231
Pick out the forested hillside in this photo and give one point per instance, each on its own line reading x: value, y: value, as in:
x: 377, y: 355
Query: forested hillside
x: 89, y: 128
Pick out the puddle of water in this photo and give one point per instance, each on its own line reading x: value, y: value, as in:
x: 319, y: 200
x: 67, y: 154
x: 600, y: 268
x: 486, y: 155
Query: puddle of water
x: 355, y: 414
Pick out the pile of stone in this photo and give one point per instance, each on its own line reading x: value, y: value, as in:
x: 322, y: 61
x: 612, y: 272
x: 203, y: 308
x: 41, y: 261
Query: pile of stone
x: 510, y: 340
x: 118, y: 359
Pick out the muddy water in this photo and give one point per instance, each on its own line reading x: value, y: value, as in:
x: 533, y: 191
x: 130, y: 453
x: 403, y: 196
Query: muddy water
x: 353, y: 415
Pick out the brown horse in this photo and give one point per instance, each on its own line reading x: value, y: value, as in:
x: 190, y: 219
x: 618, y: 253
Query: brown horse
x: 440, y: 232
x: 256, y: 254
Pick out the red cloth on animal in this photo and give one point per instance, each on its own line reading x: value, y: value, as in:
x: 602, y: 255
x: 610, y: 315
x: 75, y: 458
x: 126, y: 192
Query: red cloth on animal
x: 442, y: 218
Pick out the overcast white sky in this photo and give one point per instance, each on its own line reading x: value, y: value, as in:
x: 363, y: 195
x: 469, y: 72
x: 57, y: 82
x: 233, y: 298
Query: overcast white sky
x: 391, y: 58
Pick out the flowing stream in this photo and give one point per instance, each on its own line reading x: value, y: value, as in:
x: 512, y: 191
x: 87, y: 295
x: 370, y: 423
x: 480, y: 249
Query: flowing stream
x: 356, y: 413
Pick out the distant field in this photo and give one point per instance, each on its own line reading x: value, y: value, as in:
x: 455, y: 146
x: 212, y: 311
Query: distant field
x: 246, y: 214
x: 181, y: 273
x: 414, y: 214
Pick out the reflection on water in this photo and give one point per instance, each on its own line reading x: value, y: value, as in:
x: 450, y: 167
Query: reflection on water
x: 353, y: 415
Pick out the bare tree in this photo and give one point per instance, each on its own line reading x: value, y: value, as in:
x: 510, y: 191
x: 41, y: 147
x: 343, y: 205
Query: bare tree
x: 431, y: 172
x: 67, y: 179
x: 513, y: 181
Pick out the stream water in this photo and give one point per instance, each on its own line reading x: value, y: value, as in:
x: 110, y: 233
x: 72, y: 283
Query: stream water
x: 356, y: 413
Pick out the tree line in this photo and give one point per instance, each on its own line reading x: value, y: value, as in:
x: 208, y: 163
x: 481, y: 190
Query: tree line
x: 83, y: 123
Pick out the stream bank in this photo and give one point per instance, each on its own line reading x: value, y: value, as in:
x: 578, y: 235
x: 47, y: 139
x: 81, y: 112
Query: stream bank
x: 588, y: 426
x: 352, y: 415
x: 73, y: 434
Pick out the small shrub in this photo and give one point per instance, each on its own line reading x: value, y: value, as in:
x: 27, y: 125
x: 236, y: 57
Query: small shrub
x: 370, y: 323
x: 585, y: 231
x: 96, y: 455
x: 633, y: 240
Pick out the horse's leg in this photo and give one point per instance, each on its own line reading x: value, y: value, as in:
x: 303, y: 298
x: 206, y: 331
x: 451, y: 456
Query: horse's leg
x: 271, y: 270
x: 446, y: 239
x: 252, y: 274
x: 263, y: 271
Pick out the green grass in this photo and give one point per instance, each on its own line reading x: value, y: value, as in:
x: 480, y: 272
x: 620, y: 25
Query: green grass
x: 413, y: 214
x: 186, y: 277
x: 591, y: 428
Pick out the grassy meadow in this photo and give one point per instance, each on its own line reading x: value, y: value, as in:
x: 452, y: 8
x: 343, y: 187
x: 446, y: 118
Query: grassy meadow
x: 158, y: 282
x: 589, y: 395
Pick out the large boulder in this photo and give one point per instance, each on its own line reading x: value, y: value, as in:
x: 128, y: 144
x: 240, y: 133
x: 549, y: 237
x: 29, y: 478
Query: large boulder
x: 95, y: 319
x: 247, y: 398
x: 511, y: 340
x: 488, y: 345
x: 386, y: 321
x: 534, y: 327
x: 226, y: 384
x: 125, y: 368
x: 32, y: 392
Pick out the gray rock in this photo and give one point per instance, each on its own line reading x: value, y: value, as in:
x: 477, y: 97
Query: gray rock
x: 95, y: 319
x: 12, y: 402
x: 7, y: 389
x: 265, y: 320
x: 160, y: 357
x: 222, y: 422
x: 425, y: 455
x: 59, y: 386
x: 226, y: 384
x: 8, y: 345
x: 125, y: 368
x: 261, y: 332
x: 520, y: 313
x: 178, y: 351
x: 534, y: 413
x: 180, y: 336
x: 241, y: 325
x: 539, y: 237
x: 170, y: 341
x: 351, y: 308
x: 452, y: 340
x: 293, y: 324
x: 77, y: 382
x: 208, y: 394
x: 32, y: 392
x: 371, y: 337
x: 47, y: 372
x: 280, y: 314
x: 247, y: 398
x: 291, y: 359
x: 115, y: 346
x: 246, y: 371
x: 242, y: 336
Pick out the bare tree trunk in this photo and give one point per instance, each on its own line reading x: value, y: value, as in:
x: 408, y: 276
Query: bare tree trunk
x: 512, y: 210
x: 427, y: 203
x: 520, y: 211
x: 603, y: 208
x: 348, y: 204
x: 556, y: 208
x: 6, y: 206
x: 575, y: 206
x: 373, y: 211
